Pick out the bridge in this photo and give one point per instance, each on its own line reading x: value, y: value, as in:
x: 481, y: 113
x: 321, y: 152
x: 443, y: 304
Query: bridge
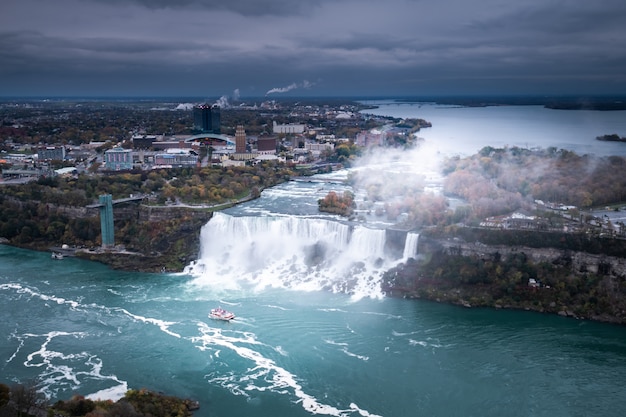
x: 319, y: 180
x: 118, y: 201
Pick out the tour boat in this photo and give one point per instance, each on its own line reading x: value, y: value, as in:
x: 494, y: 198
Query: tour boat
x: 220, y: 314
x: 56, y: 255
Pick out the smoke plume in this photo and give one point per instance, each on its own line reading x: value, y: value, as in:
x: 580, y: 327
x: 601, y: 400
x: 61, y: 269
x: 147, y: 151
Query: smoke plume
x: 304, y: 84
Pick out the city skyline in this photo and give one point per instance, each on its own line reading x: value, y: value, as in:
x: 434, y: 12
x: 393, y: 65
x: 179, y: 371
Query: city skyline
x: 273, y: 48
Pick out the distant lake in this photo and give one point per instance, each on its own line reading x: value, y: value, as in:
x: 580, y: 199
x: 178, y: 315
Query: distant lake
x: 465, y: 130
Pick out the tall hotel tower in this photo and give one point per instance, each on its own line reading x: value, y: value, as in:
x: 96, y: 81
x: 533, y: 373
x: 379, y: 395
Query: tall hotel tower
x: 240, y: 140
x: 206, y: 118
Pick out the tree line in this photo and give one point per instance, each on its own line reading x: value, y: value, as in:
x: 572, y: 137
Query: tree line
x: 24, y: 400
x: 511, y: 280
x: 498, y: 181
x: 338, y: 204
x: 39, y: 214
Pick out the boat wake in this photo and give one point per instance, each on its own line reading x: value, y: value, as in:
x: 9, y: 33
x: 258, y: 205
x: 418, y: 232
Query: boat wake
x: 264, y: 374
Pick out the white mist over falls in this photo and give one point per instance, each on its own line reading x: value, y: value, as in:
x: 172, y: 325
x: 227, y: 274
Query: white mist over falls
x: 282, y: 240
x: 296, y: 253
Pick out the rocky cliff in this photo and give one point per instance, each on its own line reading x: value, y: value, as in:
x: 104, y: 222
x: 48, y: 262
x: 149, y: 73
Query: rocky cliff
x: 154, y: 239
x: 578, y: 262
x: 545, y: 279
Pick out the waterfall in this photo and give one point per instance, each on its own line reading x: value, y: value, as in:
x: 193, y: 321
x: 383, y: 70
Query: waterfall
x: 300, y: 253
x: 410, y: 245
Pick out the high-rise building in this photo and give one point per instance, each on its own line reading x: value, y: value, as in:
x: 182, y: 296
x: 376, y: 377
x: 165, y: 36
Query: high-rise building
x: 200, y: 116
x: 206, y: 118
x: 240, y: 139
x: 216, y: 119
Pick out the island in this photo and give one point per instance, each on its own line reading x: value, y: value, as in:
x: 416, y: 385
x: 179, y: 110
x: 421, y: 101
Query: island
x: 611, y: 138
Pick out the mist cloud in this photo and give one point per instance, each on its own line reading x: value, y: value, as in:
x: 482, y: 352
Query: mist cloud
x: 244, y: 7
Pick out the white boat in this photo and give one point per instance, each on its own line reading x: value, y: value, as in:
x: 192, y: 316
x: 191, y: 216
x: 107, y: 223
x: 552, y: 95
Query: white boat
x: 56, y: 255
x: 220, y: 314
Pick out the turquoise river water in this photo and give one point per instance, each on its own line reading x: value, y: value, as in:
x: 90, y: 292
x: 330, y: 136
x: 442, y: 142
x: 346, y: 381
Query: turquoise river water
x: 314, y: 335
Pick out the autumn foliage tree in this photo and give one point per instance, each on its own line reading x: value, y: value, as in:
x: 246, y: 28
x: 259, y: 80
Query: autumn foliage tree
x: 498, y: 181
x: 338, y: 204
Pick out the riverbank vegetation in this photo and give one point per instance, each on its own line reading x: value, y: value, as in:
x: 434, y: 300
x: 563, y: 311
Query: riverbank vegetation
x: 52, y: 211
x: 25, y: 400
x: 206, y: 185
x: 344, y: 153
x: 399, y: 196
x: 337, y: 204
x: 494, y: 182
x: 498, y: 181
x: 511, y: 280
x: 558, y: 189
x: 555, y: 187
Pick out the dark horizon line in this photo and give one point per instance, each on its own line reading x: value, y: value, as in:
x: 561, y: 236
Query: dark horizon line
x: 442, y: 98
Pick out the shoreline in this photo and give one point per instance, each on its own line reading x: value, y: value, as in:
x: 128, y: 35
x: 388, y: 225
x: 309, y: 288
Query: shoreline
x: 432, y: 290
x: 452, y: 297
x: 548, y: 280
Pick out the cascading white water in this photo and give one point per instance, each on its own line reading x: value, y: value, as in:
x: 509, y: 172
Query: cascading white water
x: 410, y: 245
x: 300, y: 253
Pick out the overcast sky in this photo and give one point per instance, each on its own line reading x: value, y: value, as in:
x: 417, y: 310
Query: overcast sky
x: 252, y: 48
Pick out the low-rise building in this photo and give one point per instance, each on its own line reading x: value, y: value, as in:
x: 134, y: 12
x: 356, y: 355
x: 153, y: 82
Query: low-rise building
x: 291, y: 128
x: 66, y: 172
x: 178, y: 158
x: 51, y: 153
x: 118, y: 159
x: 372, y: 138
x: 143, y: 141
x: 317, y: 148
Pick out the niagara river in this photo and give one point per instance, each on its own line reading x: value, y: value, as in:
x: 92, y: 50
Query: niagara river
x: 313, y: 333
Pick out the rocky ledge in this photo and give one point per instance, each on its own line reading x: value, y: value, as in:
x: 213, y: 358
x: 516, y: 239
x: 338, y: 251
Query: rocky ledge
x: 547, y: 280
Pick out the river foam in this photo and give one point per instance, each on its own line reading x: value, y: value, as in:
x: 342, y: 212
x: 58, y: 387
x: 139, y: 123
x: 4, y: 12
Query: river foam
x: 263, y: 373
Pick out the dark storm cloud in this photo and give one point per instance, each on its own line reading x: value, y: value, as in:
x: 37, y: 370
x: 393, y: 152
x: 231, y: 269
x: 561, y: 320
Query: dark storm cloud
x: 243, y: 7
x: 331, y: 47
x: 559, y: 18
x: 26, y: 41
x: 32, y: 51
x: 362, y: 40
